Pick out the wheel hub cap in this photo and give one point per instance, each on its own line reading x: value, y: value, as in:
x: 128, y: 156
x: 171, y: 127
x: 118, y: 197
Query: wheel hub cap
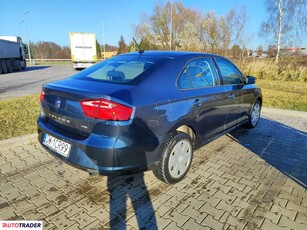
x: 255, y: 114
x: 180, y: 158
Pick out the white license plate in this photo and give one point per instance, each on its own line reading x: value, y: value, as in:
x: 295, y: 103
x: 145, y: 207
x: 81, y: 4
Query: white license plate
x: 57, y: 145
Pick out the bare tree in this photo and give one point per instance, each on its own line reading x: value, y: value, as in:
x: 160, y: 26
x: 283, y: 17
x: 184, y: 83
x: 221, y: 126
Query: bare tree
x: 220, y: 33
x: 191, y: 29
x: 156, y: 28
x: 209, y: 31
x: 224, y: 35
x: 284, y: 18
x: 189, y: 38
x: 237, y: 19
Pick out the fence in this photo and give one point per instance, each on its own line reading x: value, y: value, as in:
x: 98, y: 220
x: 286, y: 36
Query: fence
x: 52, y: 61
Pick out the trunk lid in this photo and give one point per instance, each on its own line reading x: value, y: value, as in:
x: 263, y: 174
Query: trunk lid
x: 61, y: 105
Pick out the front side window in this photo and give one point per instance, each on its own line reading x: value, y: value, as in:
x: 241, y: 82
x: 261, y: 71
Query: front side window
x: 230, y: 74
x: 198, y: 73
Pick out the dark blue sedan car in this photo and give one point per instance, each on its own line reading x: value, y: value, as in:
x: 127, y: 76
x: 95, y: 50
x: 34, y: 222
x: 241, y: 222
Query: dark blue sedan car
x: 145, y: 110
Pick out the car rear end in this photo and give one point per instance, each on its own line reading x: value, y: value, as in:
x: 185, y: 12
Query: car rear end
x: 92, y: 123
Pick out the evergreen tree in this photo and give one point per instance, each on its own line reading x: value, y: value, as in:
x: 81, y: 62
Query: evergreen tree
x: 122, y: 46
x: 145, y: 44
x: 98, y: 49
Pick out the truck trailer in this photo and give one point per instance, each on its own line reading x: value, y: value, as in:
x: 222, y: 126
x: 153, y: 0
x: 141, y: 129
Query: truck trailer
x: 83, y: 50
x: 12, y: 54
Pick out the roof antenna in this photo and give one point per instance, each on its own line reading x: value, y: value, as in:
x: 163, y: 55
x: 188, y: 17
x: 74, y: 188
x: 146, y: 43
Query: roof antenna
x: 140, y: 51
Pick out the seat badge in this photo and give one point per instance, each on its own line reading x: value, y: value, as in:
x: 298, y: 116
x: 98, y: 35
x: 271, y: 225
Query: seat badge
x: 57, y: 103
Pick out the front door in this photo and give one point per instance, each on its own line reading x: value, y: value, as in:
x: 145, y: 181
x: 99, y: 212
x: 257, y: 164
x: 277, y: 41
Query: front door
x: 233, y: 81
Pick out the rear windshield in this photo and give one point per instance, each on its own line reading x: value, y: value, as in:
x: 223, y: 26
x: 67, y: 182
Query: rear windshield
x: 122, y: 69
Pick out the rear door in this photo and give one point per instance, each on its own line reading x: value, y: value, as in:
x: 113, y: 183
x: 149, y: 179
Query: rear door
x: 201, y: 87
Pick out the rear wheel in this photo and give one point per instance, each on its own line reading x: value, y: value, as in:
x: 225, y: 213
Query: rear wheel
x: 4, y: 67
x: 17, y: 66
x: 176, y: 159
x: 254, y: 115
x: 23, y: 65
x: 9, y: 66
x: 1, y: 70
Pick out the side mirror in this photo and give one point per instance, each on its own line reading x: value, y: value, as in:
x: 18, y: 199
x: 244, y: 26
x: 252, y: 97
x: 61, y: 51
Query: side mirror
x: 250, y: 80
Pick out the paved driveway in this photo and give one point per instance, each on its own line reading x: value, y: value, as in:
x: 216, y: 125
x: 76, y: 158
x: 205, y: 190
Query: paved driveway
x: 248, y: 179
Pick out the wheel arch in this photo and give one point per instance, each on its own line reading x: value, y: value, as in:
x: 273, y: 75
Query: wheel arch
x: 188, y: 129
x: 259, y: 99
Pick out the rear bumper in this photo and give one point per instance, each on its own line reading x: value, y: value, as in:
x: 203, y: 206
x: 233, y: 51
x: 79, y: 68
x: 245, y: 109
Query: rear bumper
x: 103, y: 155
x: 82, y: 65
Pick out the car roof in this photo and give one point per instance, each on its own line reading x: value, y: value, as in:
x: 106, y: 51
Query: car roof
x: 170, y: 54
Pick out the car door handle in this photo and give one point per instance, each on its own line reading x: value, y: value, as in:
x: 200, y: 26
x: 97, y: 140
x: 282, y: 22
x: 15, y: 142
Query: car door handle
x: 197, y: 103
x: 231, y: 96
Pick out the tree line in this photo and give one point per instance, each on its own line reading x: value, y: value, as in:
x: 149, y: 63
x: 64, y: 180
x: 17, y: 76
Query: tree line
x: 51, y: 50
x: 172, y: 26
x: 48, y: 50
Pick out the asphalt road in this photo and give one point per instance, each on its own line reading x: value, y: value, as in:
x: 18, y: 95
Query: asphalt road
x: 30, y: 80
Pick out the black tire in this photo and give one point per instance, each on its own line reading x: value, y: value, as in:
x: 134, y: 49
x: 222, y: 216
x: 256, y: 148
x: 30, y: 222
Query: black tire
x: 18, y: 66
x: 254, y: 115
x: 25, y: 65
x: 9, y: 65
x: 170, y: 169
x: 1, y: 70
x: 4, y: 67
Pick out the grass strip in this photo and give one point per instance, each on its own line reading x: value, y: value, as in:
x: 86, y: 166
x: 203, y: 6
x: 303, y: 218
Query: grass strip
x: 18, y: 116
x: 284, y: 94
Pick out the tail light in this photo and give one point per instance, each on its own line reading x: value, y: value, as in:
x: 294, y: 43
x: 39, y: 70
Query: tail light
x: 106, y: 110
x: 42, y: 97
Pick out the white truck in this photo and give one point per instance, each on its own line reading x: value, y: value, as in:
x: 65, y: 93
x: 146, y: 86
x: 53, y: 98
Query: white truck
x: 12, y: 54
x: 83, y: 50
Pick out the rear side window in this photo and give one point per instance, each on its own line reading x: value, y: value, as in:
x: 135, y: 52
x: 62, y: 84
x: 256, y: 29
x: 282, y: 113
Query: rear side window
x: 198, y: 73
x: 122, y: 69
x: 230, y: 74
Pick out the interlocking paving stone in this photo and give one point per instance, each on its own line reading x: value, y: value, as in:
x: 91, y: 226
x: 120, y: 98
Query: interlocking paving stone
x: 194, y: 213
x: 248, y: 179
x: 209, y: 221
x: 61, y: 221
x: 268, y: 225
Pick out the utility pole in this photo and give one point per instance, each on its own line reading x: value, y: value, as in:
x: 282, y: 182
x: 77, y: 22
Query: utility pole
x: 25, y: 14
x: 104, y: 43
x: 171, y: 28
x: 103, y: 40
x: 20, y: 31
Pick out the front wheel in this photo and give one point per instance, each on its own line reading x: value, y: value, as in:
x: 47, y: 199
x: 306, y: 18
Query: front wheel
x: 254, y: 115
x: 176, y: 159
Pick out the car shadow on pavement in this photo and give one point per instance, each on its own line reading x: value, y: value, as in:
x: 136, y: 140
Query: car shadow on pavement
x: 282, y: 146
x: 32, y: 68
x: 133, y: 186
